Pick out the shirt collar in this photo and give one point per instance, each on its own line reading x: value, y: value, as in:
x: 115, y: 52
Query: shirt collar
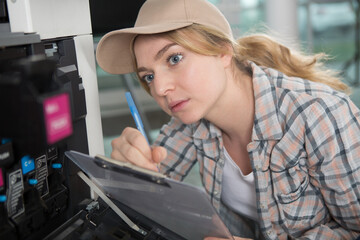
x: 266, y: 122
x: 203, y: 129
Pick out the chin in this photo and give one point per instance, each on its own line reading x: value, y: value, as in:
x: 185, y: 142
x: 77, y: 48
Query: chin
x: 188, y: 120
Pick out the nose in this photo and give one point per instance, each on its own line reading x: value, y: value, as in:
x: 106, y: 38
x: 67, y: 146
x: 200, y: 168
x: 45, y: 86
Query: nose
x: 163, y: 83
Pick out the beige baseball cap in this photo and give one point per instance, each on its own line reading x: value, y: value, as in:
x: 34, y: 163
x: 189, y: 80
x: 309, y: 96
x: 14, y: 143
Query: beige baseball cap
x: 113, y: 52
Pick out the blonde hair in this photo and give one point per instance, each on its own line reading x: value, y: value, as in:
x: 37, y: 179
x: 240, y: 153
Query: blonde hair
x: 258, y: 48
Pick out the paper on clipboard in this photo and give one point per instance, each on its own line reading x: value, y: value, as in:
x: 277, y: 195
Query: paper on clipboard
x: 179, y: 207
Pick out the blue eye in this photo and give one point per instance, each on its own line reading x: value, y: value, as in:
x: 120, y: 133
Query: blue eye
x: 174, y: 59
x: 148, y: 78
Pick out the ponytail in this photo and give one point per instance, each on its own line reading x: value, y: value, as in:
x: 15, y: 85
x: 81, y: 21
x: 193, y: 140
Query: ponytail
x: 264, y: 51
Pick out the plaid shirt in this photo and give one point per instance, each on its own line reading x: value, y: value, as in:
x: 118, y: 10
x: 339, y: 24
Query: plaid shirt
x: 305, y: 154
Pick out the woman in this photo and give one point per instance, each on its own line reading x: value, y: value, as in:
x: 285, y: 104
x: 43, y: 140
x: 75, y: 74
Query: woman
x: 275, y: 136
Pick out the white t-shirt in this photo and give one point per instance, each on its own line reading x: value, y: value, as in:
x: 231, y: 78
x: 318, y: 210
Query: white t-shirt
x: 238, y: 191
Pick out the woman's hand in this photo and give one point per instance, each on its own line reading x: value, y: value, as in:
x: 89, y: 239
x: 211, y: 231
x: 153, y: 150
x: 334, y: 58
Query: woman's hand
x: 131, y: 146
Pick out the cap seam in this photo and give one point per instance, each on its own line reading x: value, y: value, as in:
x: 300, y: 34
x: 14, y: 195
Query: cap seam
x: 186, y: 10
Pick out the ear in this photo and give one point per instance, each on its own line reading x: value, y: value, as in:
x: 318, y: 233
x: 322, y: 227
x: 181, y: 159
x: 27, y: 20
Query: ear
x: 226, y: 58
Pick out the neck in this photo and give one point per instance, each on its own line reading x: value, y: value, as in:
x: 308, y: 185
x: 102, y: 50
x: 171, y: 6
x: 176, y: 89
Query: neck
x: 235, y: 111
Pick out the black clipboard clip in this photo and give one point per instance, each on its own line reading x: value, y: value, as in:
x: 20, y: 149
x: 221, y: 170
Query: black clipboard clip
x: 131, y: 169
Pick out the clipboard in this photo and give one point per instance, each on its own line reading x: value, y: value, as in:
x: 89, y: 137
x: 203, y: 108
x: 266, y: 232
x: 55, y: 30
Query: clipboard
x: 180, y: 207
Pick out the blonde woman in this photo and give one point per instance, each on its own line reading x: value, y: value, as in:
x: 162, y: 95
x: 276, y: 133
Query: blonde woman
x: 275, y: 135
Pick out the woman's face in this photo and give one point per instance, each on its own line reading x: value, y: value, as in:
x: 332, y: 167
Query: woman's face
x: 186, y: 85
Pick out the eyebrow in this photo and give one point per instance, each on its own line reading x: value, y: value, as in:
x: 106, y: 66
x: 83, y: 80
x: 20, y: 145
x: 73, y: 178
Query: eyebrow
x: 163, y: 50
x: 158, y: 55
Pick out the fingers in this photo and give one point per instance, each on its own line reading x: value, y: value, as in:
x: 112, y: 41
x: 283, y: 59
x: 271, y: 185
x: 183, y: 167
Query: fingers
x: 158, y: 154
x: 131, y: 146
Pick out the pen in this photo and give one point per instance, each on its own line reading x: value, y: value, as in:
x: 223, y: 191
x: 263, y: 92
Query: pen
x: 135, y: 114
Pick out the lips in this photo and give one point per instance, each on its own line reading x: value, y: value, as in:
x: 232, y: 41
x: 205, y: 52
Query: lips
x: 176, y: 106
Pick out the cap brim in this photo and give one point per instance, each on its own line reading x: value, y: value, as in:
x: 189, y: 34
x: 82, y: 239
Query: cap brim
x: 113, y: 52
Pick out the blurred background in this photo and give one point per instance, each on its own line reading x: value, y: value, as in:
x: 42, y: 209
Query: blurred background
x: 329, y: 26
